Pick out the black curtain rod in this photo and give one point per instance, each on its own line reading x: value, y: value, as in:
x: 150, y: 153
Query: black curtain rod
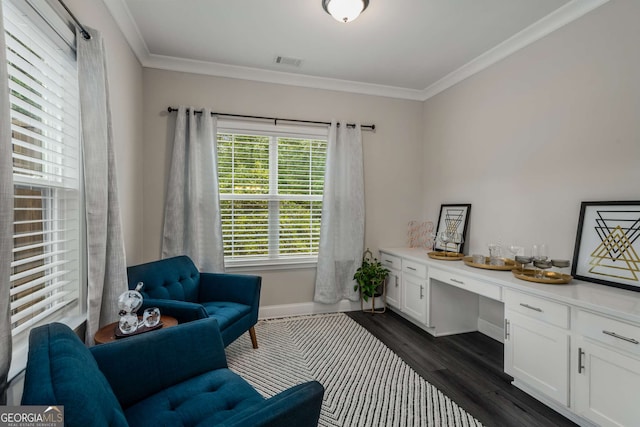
x: 84, y: 32
x: 275, y: 119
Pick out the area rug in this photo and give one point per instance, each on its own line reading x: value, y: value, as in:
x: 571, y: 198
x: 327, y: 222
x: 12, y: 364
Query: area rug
x: 366, y: 384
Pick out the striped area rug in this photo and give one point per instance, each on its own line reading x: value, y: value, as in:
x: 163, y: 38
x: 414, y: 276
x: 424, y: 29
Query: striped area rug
x: 366, y: 384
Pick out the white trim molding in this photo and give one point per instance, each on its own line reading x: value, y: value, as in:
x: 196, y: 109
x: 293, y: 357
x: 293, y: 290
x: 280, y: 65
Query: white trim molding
x: 545, y: 26
x: 306, y: 308
x: 555, y: 20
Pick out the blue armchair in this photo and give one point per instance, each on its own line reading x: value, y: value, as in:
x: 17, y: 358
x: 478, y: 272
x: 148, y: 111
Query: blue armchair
x: 178, y: 289
x: 170, y: 377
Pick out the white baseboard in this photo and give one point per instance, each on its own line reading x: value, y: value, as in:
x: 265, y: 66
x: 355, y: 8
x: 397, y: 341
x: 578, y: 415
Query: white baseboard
x: 301, y: 309
x: 491, y: 330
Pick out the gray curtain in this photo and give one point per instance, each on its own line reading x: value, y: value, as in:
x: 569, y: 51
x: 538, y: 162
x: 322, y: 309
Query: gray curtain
x: 192, y: 221
x: 342, y: 227
x: 6, y: 217
x: 106, y: 263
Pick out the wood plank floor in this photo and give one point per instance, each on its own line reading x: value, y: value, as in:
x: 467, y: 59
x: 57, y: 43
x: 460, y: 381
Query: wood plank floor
x: 466, y: 367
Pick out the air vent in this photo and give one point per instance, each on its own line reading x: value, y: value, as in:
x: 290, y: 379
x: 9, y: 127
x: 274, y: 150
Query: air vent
x: 287, y: 60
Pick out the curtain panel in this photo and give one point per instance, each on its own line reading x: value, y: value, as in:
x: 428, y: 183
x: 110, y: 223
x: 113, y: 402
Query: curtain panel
x: 106, y: 263
x: 192, y: 220
x: 342, y: 227
x: 6, y: 217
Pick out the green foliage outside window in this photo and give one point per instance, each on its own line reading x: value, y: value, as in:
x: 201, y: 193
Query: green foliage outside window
x: 270, y: 209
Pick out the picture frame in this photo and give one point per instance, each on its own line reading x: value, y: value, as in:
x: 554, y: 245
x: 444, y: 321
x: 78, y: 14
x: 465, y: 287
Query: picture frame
x: 453, y: 218
x: 608, y: 244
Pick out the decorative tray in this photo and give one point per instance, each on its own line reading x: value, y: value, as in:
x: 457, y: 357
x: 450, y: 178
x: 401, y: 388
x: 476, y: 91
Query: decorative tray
x: 548, y: 277
x: 446, y: 256
x: 141, y: 330
x: 509, y: 264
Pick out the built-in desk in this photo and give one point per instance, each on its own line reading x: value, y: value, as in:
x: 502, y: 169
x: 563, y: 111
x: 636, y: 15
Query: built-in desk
x: 575, y: 347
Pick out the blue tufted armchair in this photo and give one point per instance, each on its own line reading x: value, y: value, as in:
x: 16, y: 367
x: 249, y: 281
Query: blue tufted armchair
x: 170, y: 377
x: 178, y: 289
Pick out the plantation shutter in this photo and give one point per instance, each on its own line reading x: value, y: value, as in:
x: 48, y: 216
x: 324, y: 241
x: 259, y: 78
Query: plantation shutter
x: 46, y: 164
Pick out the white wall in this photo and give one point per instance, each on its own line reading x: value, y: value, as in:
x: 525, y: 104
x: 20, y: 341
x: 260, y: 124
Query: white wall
x: 528, y: 139
x: 392, y: 163
x: 125, y: 92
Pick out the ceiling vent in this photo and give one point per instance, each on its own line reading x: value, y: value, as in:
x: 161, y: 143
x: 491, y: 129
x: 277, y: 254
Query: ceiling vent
x: 287, y: 60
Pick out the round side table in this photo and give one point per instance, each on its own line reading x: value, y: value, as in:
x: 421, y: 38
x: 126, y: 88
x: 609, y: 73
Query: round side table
x: 108, y: 332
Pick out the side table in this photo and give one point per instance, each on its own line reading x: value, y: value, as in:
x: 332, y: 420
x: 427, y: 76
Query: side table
x: 108, y: 332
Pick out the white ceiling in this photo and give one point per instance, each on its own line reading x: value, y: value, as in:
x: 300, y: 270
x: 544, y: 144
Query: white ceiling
x: 401, y: 48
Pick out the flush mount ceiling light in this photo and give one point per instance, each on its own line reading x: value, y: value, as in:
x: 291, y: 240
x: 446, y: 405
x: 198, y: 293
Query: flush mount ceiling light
x: 344, y: 10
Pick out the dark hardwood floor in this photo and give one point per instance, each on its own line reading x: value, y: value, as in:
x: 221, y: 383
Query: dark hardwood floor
x: 466, y: 367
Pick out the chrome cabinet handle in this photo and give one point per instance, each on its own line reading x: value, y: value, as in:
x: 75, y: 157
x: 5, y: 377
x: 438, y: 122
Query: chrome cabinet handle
x: 389, y: 261
x: 421, y: 290
x: 460, y: 282
x: 396, y: 281
x: 411, y: 268
x: 506, y: 329
x: 620, y: 337
x: 580, y: 361
x: 531, y: 307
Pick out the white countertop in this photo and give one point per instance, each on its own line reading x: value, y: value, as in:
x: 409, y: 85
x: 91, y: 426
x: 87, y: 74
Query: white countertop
x: 609, y: 300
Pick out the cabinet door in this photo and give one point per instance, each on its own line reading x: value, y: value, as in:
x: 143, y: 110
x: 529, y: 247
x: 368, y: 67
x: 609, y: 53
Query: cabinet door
x: 537, y: 354
x: 607, y: 385
x: 394, y: 289
x: 415, y: 297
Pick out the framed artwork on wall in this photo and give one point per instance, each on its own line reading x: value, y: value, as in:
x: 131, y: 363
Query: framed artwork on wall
x: 608, y: 244
x: 452, y: 225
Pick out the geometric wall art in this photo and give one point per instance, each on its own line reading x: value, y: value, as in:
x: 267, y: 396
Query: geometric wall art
x: 454, y: 220
x: 608, y: 244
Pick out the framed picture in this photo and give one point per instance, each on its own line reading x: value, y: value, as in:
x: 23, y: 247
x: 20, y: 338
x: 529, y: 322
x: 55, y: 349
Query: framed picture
x: 453, y: 220
x: 608, y: 244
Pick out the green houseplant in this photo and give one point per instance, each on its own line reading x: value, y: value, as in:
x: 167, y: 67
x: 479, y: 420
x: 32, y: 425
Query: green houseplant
x: 370, y: 277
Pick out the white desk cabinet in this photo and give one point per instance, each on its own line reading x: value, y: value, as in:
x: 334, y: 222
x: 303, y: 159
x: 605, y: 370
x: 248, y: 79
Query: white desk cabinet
x: 394, y: 290
x: 574, y: 347
x: 536, y: 346
x: 393, y: 286
x: 415, y: 289
x: 607, y: 370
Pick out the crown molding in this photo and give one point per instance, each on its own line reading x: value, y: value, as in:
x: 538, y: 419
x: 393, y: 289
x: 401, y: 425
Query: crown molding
x: 122, y: 15
x: 555, y: 20
x: 278, y: 77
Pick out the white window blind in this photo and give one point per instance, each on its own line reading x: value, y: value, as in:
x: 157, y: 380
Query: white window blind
x: 271, y: 187
x: 45, y: 275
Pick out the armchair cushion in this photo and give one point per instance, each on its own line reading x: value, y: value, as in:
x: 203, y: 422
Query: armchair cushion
x: 214, y: 396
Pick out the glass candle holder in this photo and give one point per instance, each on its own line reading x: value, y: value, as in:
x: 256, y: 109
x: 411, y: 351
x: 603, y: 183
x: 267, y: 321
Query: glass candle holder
x: 151, y: 317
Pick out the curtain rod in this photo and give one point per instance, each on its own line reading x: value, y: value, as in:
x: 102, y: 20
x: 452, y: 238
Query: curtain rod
x: 83, y: 31
x: 275, y: 119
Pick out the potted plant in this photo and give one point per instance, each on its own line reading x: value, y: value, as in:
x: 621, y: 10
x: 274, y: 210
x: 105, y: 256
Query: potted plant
x: 370, y: 277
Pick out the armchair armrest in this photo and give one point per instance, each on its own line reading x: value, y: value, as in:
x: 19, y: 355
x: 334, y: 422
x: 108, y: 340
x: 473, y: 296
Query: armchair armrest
x: 241, y: 288
x: 182, y: 310
x: 139, y: 366
x: 298, y: 406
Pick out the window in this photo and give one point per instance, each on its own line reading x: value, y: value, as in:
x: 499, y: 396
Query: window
x: 271, y: 182
x: 45, y: 276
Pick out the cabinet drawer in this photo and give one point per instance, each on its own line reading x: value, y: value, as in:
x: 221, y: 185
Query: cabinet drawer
x: 390, y: 261
x: 615, y: 333
x: 414, y: 268
x: 542, y: 309
x: 473, y: 285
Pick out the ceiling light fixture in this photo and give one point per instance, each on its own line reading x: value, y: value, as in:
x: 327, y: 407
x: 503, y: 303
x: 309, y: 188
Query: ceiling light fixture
x: 344, y: 10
